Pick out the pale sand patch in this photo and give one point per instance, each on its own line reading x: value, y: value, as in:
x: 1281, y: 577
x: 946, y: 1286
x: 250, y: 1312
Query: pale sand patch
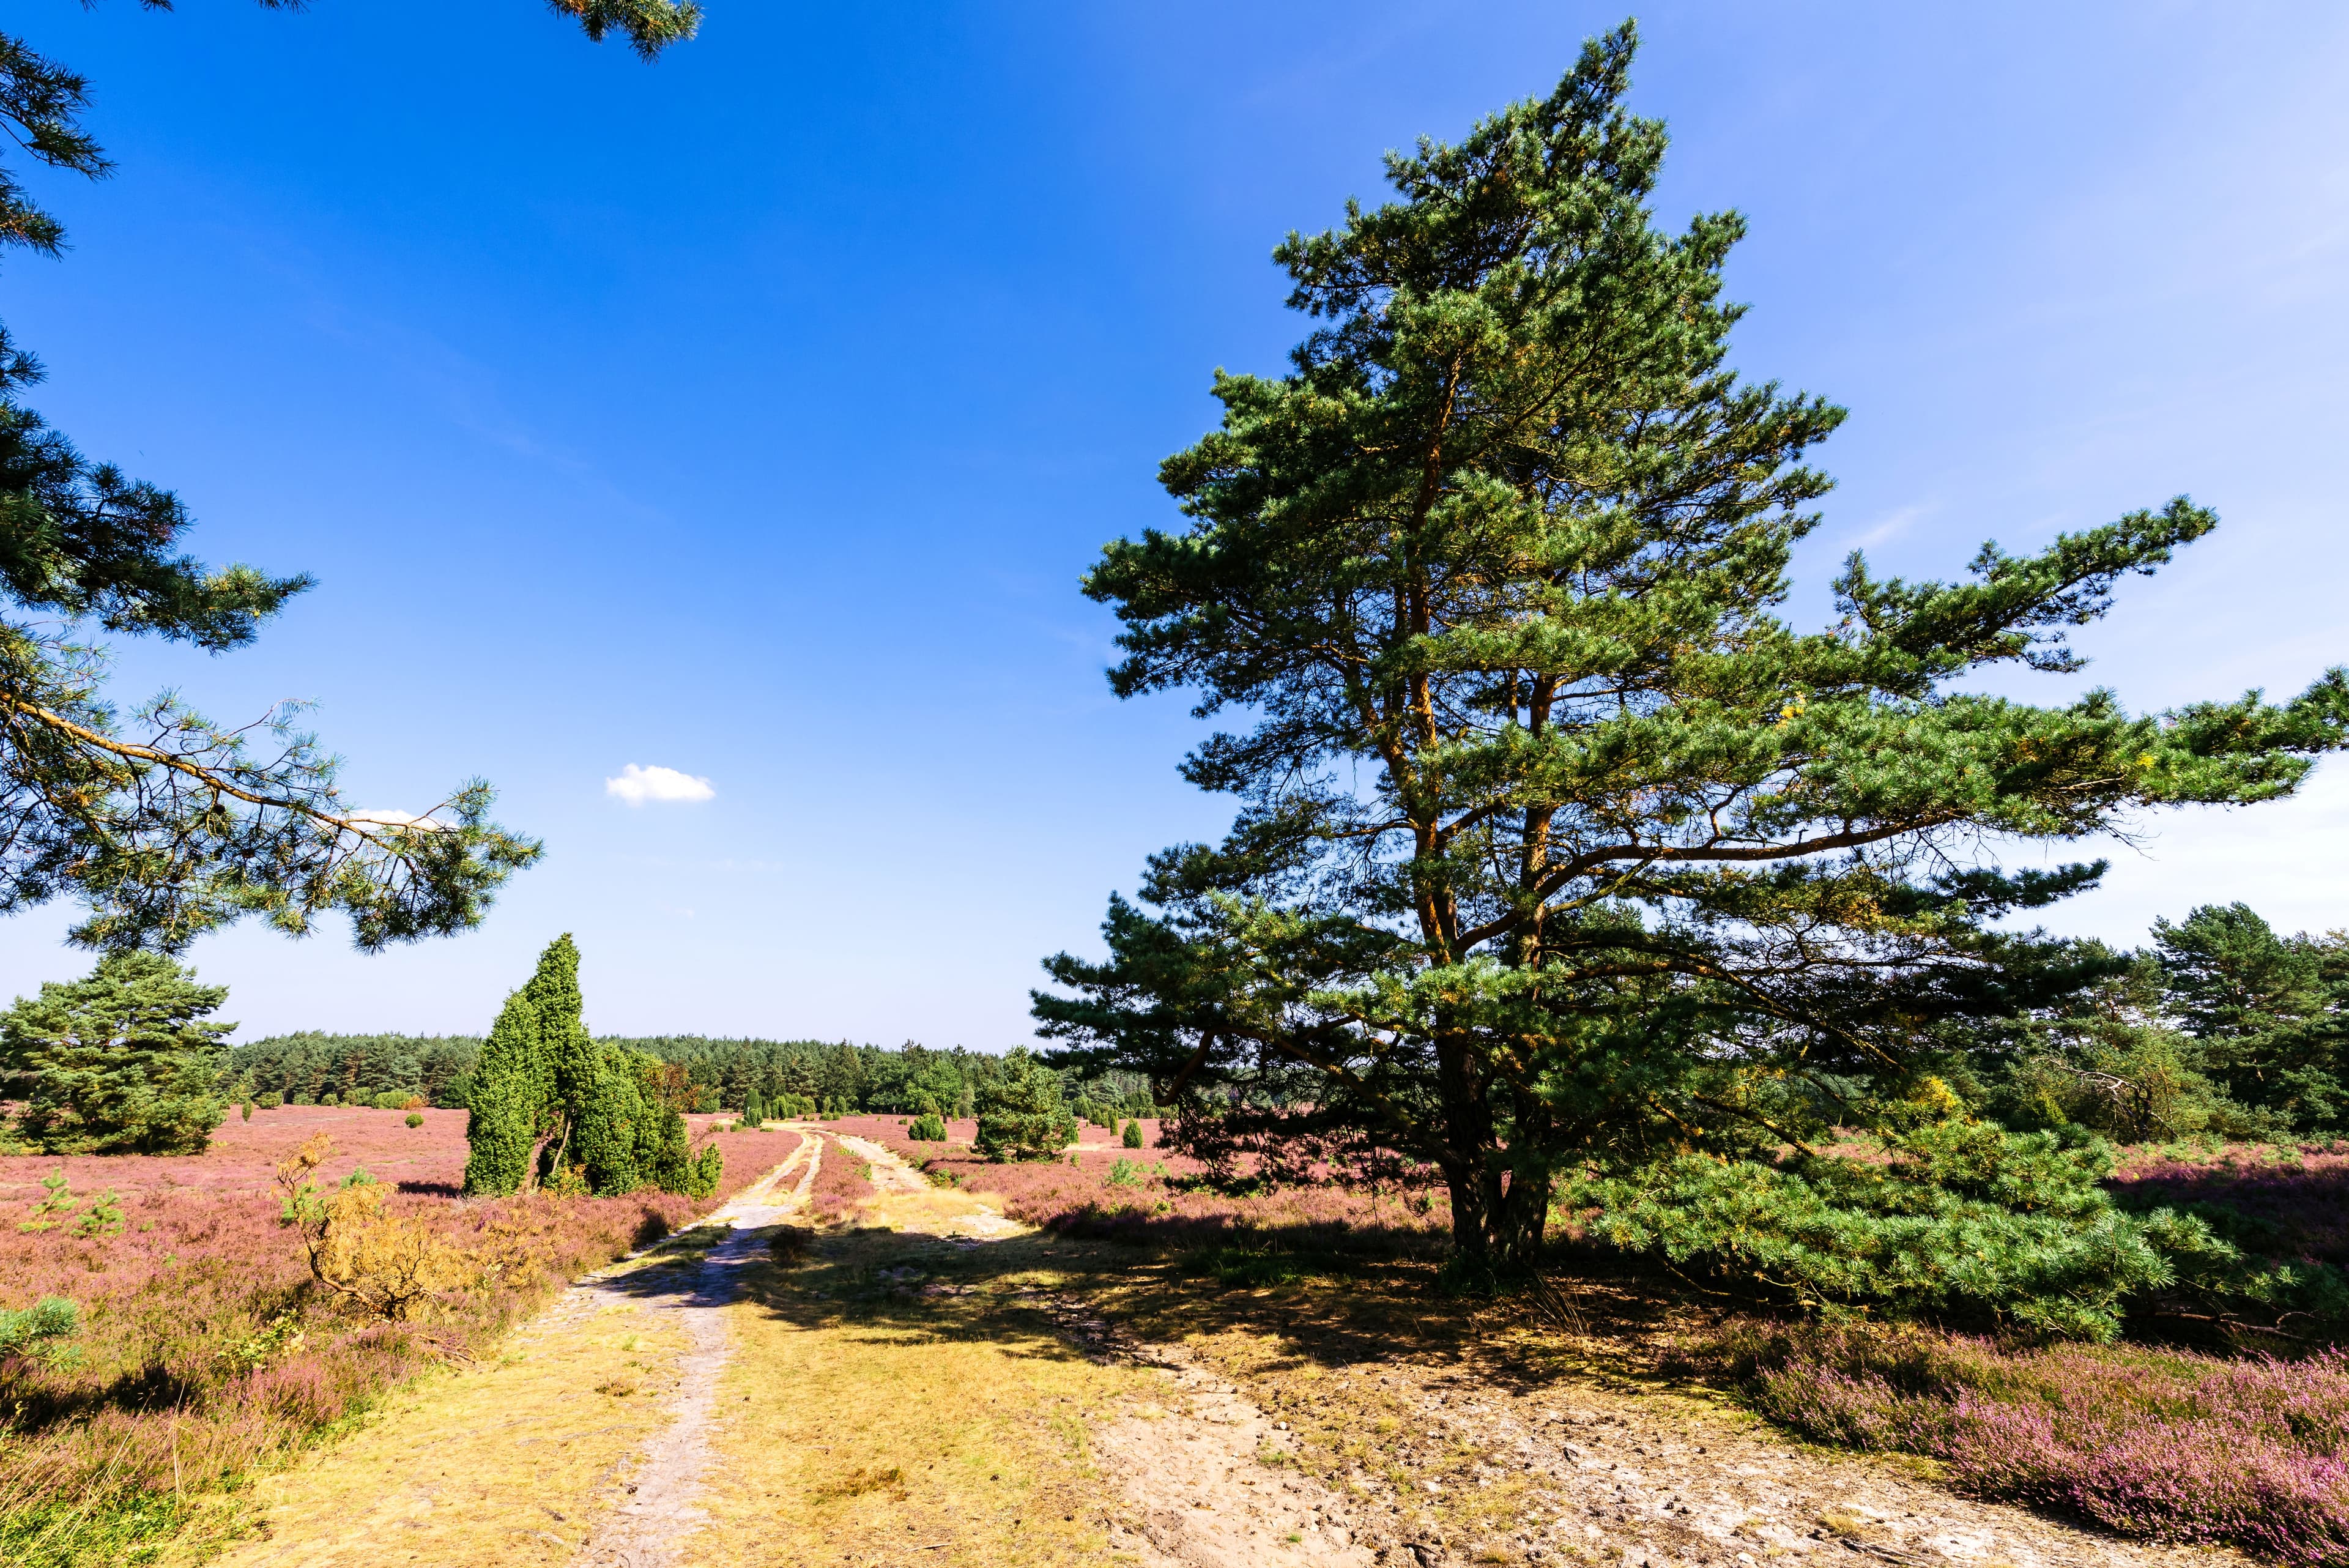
x: 1204, y: 1470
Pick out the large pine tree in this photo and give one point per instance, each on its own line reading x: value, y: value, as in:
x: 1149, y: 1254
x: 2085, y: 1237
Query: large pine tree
x: 125, y: 1061
x: 1557, y: 848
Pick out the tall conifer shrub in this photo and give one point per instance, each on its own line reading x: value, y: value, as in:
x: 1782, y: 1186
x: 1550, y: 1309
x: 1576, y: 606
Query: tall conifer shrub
x: 548, y: 1100
x: 502, y: 1122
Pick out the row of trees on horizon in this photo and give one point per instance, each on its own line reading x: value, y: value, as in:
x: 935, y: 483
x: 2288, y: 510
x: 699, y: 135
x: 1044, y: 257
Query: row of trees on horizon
x: 2220, y: 1025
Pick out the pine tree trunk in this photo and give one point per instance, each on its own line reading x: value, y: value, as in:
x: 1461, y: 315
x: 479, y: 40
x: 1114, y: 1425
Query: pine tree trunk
x: 1500, y: 1196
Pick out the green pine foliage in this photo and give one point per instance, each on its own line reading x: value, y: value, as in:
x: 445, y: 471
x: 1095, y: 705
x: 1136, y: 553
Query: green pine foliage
x: 1557, y: 848
x: 791, y: 1077
x: 125, y: 1061
x: 928, y: 1127
x: 1022, y: 1115
x: 508, y: 1100
x: 39, y: 1330
x: 1132, y: 1137
x: 755, y: 1109
x: 300, y: 1067
x: 2269, y: 1015
x: 551, y: 1105
x: 1964, y: 1221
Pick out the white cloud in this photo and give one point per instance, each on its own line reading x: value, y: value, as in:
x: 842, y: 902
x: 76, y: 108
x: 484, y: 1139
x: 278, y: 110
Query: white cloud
x: 638, y: 784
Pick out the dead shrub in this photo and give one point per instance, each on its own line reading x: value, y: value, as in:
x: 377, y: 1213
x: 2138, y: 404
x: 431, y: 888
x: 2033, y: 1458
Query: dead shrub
x: 391, y: 1265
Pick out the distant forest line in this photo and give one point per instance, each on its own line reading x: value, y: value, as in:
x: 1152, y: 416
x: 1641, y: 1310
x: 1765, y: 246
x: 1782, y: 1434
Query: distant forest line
x: 838, y: 1077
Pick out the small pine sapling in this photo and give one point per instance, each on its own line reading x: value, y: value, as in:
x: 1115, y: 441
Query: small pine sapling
x: 416, y: 1119
x: 1020, y: 1115
x: 1132, y: 1138
x: 104, y: 1217
x: 57, y: 1201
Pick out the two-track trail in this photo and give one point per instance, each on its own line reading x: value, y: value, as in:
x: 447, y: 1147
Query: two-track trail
x: 924, y: 1381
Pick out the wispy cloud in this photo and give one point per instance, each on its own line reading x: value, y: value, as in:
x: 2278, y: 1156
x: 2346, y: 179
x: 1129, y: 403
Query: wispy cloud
x: 1889, y: 526
x: 638, y: 785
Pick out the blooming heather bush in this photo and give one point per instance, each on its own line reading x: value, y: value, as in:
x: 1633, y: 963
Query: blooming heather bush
x: 2275, y: 1201
x: 204, y: 1350
x: 843, y: 1181
x: 2251, y: 1453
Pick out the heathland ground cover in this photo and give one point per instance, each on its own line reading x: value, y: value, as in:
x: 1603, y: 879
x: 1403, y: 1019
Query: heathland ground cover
x: 1320, y: 1304
x: 203, y: 1350
x: 891, y: 1389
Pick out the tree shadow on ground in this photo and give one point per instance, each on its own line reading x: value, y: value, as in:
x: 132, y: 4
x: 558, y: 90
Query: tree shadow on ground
x: 1309, y: 1301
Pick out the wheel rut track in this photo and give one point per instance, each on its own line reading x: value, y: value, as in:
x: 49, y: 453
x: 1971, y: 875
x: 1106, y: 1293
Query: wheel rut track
x: 665, y: 1486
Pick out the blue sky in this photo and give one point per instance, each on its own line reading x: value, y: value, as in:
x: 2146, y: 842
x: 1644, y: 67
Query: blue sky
x: 752, y: 414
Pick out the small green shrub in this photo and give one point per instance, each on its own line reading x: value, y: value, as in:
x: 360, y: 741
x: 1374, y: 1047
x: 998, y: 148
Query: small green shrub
x: 1132, y: 1138
x: 1247, y: 1267
x: 1127, y: 1173
x: 416, y: 1119
x: 1964, y: 1221
x: 1020, y: 1114
x: 268, y: 1101
x: 928, y: 1127
x: 57, y: 1201
x: 37, y: 1330
x: 104, y: 1217
x: 247, y: 1108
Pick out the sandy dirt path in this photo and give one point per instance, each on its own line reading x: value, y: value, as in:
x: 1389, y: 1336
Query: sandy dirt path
x: 1569, y: 1472
x: 665, y: 1484
x: 509, y: 1462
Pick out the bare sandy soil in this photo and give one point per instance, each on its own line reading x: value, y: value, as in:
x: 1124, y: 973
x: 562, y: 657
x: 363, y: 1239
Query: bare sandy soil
x: 1572, y: 1472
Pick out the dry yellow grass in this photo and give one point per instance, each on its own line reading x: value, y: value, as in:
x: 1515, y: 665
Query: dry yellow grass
x: 507, y: 1463
x: 868, y: 1423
